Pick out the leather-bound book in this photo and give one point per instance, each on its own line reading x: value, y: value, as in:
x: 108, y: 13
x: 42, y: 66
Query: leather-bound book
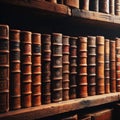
x: 107, y: 66
x: 56, y: 67
x: 112, y: 66
x: 84, y: 4
x: 94, y: 5
x: 112, y: 7
x: 65, y: 63
x: 26, y: 71
x: 15, y: 71
x: 70, y: 117
x: 104, y: 6
x: 36, y: 69
x: 117, y: 7
x: 82, y: 68
x: 52, y: 1
x: 4, y: 68
x: 100, y: 65
x: 46, y: 68
x: 91, y: 63
x: 72, y: 3
x: 73, y: 67
x: 105, y: 114
x: 117, y: 64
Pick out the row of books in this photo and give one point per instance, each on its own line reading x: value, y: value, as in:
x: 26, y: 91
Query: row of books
x: 40, y: 69
x: 105, y: 6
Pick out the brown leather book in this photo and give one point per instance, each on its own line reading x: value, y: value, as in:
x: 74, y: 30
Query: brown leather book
x: 73, y: 67
x: 84, y: 4
x: 112, y: 66
x: 65, y: 63
x: 52, y: 1
x: 107, y: 66
x: 82, y: 68
x: 56, y: 67
x: 112, y: 7
x: 104, y: 6
x: 70, y: 117
x: 36, y: 69
x: 46, y: 68
x: 94, y: 5
x: 15, y: 71
x: 26, y: 70
x: 4, y: 68
x: 72, y: 3
x: 117, y: 7
x: 91, y: 62
x: 100, y: 65
x: 102, y: 115
x: 117, y: 64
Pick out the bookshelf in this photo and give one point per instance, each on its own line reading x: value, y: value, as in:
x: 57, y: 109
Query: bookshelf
x: 58, y: 14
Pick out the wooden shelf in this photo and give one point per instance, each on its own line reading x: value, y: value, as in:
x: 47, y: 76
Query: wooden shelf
x: 97, y: 18
x: 61, y: 107
x: 40, y: 5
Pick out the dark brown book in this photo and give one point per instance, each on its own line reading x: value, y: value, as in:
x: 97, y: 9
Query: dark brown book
x: 117, y: 64
x: 94, y: 5
x: 4, y: 68
x: 102, y: 115
x: 84, y: 4
x: 104, y: 6
x: 15, y: 71
x: 73, y: 67
x: 46, y: 68
x: 112, y: 7
x: 82, y: 68
x: 100, y: 65
x: 107, y: 66
x: 91, y: 63
x: 72, y: 3
x: 26, y: 71
x: 56, y: 67
x: 36, y: 69
x: 112, y: 66
x: 117, y: 7
x: 65, y: 63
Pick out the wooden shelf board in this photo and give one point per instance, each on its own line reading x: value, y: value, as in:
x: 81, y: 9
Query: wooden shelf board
x: 40, y: 5
x: 97, y: 17
x: 61, y: 107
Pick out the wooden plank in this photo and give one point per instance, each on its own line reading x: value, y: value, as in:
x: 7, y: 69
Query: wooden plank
x: 96, y: 16
x: 40, y: 5
x: 61, y: 107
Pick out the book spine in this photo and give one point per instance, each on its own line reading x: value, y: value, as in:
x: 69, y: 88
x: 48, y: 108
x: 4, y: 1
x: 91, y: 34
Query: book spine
x: 70, y: 117
x: 107, y: 66
x: 82, y: 68
x: 72, y: 3
x: 56, y: 67
x: 73, y: 67
x: 15, y: 81
x: 65, y: 63
x: 4, y: 68
x: 104, y: 6
x: 46, y: 68
x: 84, y: 4
x: 94, y: 5
x: 91, y: 61
x: 100, y: 65
x: 117, y: 7
x: 112, y: 67
x: 117, y: 64
x: 52, y: 1
x: 26, y: 77
x: 112, y: 6
x: 36, y: 69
